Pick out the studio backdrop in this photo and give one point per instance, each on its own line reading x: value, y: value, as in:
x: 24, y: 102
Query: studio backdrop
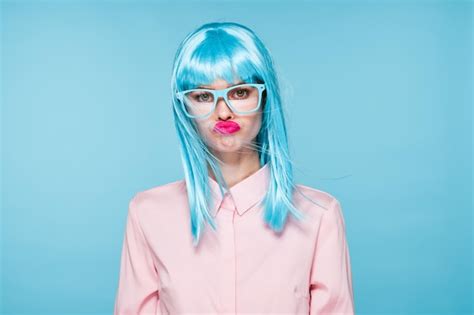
x: 378, y: 96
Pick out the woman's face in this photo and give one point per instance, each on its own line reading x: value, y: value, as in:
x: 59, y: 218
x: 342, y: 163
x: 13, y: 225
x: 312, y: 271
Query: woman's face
x: 224, y: 138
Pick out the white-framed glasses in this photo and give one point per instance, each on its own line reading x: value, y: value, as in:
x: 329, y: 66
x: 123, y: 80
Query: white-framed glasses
x: 242, y: 99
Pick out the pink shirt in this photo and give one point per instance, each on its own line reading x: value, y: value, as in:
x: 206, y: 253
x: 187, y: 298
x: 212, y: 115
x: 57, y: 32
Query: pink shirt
x: 243, y: 268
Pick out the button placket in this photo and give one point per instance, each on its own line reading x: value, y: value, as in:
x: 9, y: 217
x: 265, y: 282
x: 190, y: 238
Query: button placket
x: 227, y: 214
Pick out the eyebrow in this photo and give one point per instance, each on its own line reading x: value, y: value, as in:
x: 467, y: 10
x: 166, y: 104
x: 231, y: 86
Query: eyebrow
x: 205, y: 87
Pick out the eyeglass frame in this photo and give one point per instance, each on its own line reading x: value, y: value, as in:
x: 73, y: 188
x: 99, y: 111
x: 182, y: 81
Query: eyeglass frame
x: 223, y: 93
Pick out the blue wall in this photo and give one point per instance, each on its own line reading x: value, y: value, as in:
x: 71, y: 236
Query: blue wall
x: 379, y: 104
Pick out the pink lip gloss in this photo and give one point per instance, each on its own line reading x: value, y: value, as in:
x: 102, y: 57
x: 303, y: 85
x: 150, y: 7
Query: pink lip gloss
x: 227, y: 127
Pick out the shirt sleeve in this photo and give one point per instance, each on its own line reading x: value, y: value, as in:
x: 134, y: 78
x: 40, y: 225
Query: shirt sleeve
x: 137, y: 291
x: 331, y: 278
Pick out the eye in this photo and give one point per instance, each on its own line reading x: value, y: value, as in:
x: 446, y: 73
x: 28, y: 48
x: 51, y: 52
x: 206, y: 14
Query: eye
x: 241, y: 93
x: 203, y: 97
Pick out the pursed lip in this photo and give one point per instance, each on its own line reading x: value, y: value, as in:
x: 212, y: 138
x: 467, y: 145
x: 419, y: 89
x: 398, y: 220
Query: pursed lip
x: 226, y: 127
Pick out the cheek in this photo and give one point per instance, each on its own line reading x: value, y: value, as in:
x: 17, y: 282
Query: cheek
x: 201, y: 128
x: 255, y: 125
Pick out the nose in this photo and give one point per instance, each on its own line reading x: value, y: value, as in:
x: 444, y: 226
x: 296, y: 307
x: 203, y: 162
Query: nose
x: 223, y: 110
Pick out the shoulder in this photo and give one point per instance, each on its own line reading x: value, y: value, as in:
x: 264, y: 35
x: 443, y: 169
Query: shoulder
x: 166, y: 190
x: 316, y: 200
x: 327, y: 208
x: 167, y: 196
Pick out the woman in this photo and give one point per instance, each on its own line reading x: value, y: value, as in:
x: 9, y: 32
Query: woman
x: 273, y: 246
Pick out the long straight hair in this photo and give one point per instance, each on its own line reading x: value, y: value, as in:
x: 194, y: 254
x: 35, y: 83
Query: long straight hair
x: 229, y: 50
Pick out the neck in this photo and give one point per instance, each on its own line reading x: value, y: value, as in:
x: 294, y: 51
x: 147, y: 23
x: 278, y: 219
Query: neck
x: 237, y: 167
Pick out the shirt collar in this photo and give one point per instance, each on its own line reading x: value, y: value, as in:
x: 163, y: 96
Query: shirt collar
x: 245, y: 193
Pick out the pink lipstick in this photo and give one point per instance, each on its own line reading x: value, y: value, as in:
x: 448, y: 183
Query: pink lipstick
x: 227, y: 127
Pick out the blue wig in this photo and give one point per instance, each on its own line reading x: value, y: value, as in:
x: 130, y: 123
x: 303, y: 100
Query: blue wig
x: 232, y: 52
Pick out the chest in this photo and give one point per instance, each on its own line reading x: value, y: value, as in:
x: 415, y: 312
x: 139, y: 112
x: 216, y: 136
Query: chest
x: 243, y: 266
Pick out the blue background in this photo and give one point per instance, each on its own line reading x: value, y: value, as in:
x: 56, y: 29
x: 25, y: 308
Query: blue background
x: 379, y: 105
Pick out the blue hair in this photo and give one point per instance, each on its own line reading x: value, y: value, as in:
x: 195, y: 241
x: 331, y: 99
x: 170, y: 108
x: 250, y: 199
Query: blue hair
x: 231, y: 51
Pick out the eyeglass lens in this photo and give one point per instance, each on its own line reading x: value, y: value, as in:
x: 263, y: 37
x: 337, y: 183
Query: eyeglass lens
x: 243, y: 98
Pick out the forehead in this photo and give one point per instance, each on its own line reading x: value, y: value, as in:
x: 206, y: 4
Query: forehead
x: 219, y: 84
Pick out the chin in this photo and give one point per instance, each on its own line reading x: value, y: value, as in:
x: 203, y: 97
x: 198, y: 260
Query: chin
x: 227, y: 144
